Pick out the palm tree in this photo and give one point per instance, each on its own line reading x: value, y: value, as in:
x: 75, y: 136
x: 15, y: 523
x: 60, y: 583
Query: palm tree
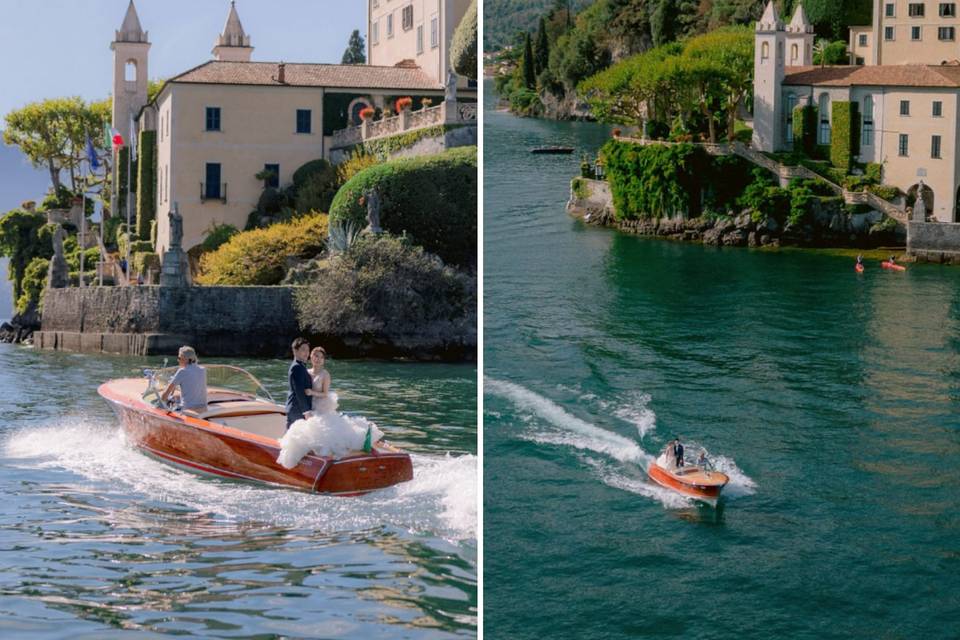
x: 820, y: 49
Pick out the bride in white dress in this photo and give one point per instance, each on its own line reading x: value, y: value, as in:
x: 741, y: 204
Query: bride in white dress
x: 323, y: 430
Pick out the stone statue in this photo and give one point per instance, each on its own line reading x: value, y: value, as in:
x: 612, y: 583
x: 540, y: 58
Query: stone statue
x: 176, y: 228
x: 372, y: 198
x: 58, y: 274
x: 450, y: 94
x: 920, y: 206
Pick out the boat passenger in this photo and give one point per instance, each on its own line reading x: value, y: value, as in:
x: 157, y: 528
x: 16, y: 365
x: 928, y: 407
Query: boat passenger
x: 860, y: 259
x: 702, y: 460
x: 893, y: 260
x: 192, y: 380
x: 678, y: 451
x: 298, y: 404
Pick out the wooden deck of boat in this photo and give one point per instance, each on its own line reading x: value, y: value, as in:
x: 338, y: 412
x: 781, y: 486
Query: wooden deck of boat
x: 697, y: 475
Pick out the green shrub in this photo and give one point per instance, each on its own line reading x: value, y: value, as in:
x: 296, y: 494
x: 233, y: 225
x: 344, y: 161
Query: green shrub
x: 143, y: 261
x: 873, y: 171
x: 385, y: 285
x: 800, y: 198
x: 21, y: 240
x: 62, y: 199
x: 217, y: 236
x: 259, y: 257
x: 764, y: 198
x: 310, y: 169
x: 431, y: 198
x: 525, y: 102
x: 90, y: 257
x: 147, y: 183
x: 885, y: 191
x: 317, y: 192
x: 580, y: 189
x: 844, y: 140
x: 271, y: 201
x: 357, y: 162
x: 805, y: 128
x: 34, y: 282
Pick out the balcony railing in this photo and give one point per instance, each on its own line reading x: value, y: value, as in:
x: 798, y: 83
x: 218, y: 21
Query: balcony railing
x: 213, y: 193
x: 454, y: 113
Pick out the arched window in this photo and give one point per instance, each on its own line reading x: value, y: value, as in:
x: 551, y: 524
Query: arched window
x: 130, y: 71
x: 788, y: 116
x: 866, y: 131
x: 794, y: 53
x: 765, y: 51
x: 824, y: 110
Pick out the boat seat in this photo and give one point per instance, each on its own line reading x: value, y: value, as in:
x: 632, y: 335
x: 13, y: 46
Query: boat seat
x: 241, y: 408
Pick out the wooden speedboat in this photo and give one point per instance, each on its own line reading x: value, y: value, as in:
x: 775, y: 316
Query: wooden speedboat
x: 691, y: 480
x: 555, y: 149
x: 236, y: 436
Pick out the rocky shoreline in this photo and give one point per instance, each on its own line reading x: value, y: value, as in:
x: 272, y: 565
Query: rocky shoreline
x: 20, y: 328
x: 830, y: 224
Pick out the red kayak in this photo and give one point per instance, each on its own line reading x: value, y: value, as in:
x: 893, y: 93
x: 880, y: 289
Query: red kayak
x: 893, y: 266
x: 858, y: 267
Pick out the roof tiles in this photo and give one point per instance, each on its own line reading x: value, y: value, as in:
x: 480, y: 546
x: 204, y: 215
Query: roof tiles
x: 349, y: 76
x: 907, y: 75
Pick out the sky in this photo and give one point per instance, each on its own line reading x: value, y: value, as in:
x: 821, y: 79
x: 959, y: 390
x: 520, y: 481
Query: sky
x: 55, y: 48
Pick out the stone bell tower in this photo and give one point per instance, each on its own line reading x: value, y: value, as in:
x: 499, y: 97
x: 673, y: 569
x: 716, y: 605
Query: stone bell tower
x: 768, y: 72
x: 130, y: 48
x: 233, y: 45
x: 799, y: 39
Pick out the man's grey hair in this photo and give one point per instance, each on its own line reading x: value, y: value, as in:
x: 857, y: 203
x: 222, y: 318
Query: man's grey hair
x: 188, y: 354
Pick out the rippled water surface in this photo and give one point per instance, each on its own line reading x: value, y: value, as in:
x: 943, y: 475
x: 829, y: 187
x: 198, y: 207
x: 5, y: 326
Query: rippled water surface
x: 830, y: 399
x: 99, y: 541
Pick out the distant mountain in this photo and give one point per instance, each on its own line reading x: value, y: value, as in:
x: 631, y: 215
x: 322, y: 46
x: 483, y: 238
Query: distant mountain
x: 19, y: 181
x: 502, y: 19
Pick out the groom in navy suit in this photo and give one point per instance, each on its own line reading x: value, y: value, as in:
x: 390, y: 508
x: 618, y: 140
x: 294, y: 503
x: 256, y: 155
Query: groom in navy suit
x: 298, y: 403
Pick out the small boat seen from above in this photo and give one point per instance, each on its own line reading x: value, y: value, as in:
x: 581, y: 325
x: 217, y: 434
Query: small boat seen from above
x: 554, y: 149
x: 694, y: 480
x: 236, y: 436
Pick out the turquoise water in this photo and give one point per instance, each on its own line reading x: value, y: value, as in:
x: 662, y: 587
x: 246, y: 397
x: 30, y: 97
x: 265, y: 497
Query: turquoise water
x: 831, y: 399
x: 99, y: 541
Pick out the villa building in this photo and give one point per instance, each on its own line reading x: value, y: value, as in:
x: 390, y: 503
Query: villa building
x: 218, y: 125
x: 906, y: 89
x: 416, y: 31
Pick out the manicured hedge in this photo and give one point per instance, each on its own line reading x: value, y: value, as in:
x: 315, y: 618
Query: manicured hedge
x: 146, y: 183
x: 805, y: 129
x: 144, y: 261
x: 845, y: 139
x: 259, y: 257
x: 433, y: 199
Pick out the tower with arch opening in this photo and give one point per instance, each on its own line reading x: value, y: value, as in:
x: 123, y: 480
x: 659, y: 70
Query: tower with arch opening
x: 130, y: 48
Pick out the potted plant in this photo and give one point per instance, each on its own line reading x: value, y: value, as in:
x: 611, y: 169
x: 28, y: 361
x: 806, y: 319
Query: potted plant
x: 404, y: 103
x: 425, y: 103
x: 367, y: 113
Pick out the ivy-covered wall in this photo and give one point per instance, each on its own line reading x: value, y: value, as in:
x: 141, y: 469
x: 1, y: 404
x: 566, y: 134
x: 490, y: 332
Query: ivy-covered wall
x: 123, y: 155
x: 805, y: 129
x: 146, y: 183
x: 845, y: 135
x: 656, y: 181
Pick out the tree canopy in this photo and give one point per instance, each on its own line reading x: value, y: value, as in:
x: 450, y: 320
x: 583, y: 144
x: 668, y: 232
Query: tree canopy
x: 463, y: 48
x: 356, y: 52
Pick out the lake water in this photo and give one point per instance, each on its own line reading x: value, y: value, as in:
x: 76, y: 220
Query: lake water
x: 99, y: 541
x: 831, y: 399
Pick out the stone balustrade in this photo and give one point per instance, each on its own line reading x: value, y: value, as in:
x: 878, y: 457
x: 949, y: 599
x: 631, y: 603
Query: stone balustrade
x: 406, y: 120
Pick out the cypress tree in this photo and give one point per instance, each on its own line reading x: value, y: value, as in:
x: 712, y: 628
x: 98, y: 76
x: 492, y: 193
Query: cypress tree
x: 529, y: 76
x: 542, y: 49
x: 355, y: 53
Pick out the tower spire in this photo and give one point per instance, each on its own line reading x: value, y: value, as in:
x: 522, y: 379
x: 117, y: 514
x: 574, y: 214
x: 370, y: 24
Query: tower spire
x: 130, y: 30
x: 233, y: 44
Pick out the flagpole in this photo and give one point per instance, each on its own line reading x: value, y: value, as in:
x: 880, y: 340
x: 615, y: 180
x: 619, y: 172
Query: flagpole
x: 129, y: 197
x: 100, y: 262
x: 83, y: 221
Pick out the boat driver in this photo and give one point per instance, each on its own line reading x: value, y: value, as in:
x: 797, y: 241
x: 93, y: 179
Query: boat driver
x: 192, y: 380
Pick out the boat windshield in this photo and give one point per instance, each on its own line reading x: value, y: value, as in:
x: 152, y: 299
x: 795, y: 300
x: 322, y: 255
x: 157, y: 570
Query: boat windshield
x: 220, y: 376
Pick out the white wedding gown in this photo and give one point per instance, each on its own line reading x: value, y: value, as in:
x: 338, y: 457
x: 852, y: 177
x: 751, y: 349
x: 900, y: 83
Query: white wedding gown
x: 326, y: 433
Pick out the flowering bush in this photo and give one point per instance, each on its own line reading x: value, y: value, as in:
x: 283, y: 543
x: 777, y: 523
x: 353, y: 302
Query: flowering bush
x: 425, y: 102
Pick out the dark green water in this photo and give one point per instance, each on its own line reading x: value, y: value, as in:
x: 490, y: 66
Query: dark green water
x: 99, y: 541
x: 830, y: 398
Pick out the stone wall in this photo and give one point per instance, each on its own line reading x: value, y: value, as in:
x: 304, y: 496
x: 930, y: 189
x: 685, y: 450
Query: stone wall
x: 934, y: 241
x: 591, y: 200
x: 458, y: 137
x: 218, y: 321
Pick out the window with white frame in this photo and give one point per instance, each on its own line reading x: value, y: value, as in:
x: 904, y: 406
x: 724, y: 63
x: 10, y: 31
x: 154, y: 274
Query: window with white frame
x: 375, y: 32
x: 866, y: 132
x: 788, y: 116
x: 434, y: 32
x: 824, y: 110
x: 862, y: 39
x: 948, y: 10
x: 390, y: 25
x: 890, y: 10
x: 915, y: 9
x: 904, y: 145
x: 937, y: 108
x: 888, y: 33
x: 419, y: 39
x: 406, y: 17
x: 904, y: 107
x: 914, y: 33
x: 935, y: 146
x: 946, y: 33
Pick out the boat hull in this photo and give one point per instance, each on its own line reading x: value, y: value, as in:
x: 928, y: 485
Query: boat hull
x: 892, y: 266
x: 693, y: 486
x: 209, y: 448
